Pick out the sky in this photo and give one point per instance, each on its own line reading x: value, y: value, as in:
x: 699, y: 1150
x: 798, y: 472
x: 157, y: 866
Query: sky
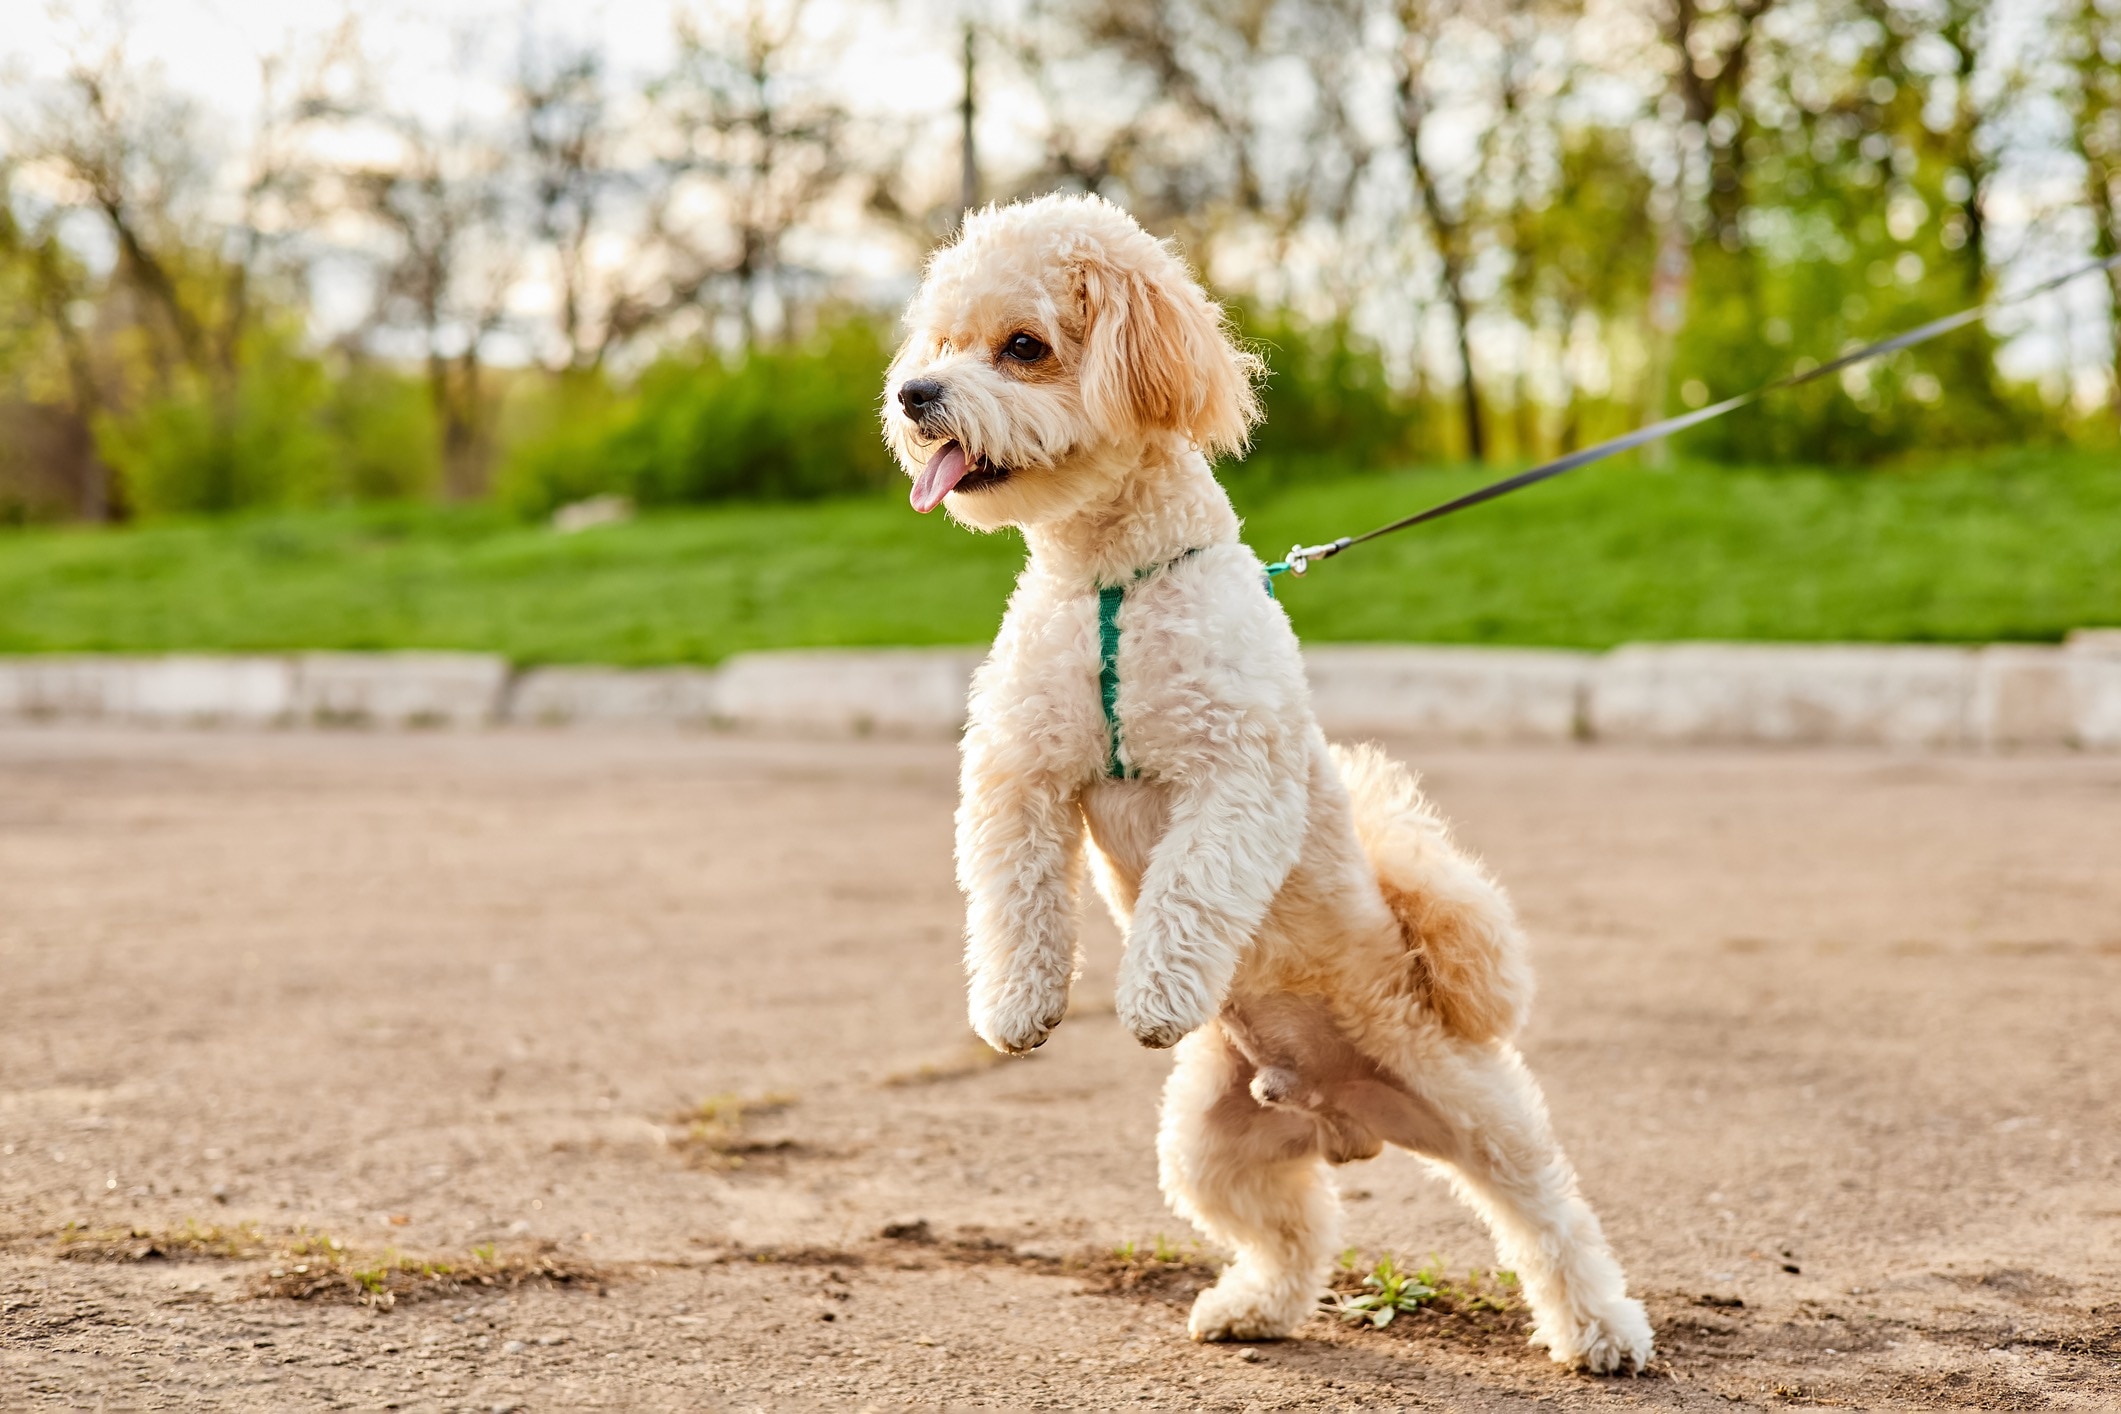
x: 902, y: 54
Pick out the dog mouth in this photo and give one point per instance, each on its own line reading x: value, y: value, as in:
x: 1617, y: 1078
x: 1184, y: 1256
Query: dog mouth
x: 950, y: 469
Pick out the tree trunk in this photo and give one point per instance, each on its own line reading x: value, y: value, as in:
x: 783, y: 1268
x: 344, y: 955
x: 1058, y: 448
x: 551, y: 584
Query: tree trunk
x: 1468, y: 389
x: 1447, y: 229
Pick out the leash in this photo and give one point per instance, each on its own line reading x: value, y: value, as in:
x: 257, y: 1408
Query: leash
x: 1301, y: 557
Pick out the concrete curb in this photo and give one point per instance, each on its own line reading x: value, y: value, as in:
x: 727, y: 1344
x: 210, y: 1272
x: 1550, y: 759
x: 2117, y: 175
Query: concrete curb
x: 896, y: 691
x: 400, y: 689
x: 1999, y: 697
x: 178, y: 689
x: 555, y: 697
x: 1723, y: 693
x: 2094, y: 657
x: 1468, y: 694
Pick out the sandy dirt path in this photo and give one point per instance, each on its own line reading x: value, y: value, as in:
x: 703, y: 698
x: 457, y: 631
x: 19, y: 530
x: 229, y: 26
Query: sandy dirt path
x: 1834, y: 1036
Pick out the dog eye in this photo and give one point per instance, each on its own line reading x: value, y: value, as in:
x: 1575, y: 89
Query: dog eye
x: 1024, y: 349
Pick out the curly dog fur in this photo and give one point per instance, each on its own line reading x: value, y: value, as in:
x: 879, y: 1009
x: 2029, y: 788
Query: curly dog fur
x: 1335, y: 974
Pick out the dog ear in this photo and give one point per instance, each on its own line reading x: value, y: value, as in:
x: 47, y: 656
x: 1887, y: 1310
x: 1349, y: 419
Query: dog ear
x: 1156, y: 353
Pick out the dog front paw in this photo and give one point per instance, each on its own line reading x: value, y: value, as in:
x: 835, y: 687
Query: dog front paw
x: 1160, y: 1008
x: 1614, y: 1341
x: 1014, y: 1020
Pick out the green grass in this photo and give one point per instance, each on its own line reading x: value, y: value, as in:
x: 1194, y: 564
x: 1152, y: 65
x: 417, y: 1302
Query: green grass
x: 2023, y: 546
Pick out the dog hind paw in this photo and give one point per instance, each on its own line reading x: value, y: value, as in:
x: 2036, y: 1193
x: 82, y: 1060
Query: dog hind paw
x: 1239, y: 1313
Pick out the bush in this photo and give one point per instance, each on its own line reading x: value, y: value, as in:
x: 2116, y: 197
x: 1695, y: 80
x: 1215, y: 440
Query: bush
x: 792, y: 423
x: 384, y: 434
x: 286, y: 433
x: 204, y: 449
x: 1330, y: 404
x: 1752, y: 318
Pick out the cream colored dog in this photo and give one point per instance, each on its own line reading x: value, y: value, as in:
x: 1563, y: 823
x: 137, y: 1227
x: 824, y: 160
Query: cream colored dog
x: 1335, y: 975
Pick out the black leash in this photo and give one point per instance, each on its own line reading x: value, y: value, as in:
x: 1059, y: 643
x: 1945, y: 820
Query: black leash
x: 1302, y: 557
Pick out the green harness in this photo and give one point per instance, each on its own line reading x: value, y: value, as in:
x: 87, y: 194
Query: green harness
x: 1109, y: 598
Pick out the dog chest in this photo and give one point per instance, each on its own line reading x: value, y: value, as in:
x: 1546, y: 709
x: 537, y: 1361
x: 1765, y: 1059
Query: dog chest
x: 1126, y: 820
x: 1189, y: 663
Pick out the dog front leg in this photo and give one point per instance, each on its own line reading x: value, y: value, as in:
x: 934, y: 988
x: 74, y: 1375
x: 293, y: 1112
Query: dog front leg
x: 1019, y: 862
x: 1236, y: 829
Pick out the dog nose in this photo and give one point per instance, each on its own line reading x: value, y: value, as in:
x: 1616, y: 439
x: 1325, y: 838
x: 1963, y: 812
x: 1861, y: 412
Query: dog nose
x: 918, y: 396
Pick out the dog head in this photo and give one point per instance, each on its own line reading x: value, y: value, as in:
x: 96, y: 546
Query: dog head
x: 1045, y: 348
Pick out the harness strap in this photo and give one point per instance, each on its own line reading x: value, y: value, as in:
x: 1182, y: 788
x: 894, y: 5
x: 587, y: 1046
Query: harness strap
x: 1109, y: 598
x: 1108, y: 601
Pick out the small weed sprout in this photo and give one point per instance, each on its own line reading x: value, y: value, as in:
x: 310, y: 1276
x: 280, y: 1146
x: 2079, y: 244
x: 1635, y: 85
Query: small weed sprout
x: 720, y: 1116
x: 1391, y: 1291
x: 1159, y: 1252
x: 1487, y: 1291
x: 714, y: 1128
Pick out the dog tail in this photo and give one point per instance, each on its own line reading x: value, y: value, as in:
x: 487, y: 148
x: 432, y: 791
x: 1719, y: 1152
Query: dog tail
x: 1463, y: 941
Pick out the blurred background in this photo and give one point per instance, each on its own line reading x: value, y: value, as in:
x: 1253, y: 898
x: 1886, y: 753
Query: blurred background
x: 559, y: 329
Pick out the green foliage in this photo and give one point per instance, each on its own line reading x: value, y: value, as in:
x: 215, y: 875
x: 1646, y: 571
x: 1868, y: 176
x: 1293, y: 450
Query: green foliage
x: 794, y: 423
x: 2018, y: 546
x: 282, y: 433
x: 1385, y: 1292
x: 203, y: 448
x: 382, y: 426
x: 1389, y: 1292
x: 1756, y: 318
x: 1860, y: 220
x: 557, y: 435
x: 1330, y: 404
x: 800, y: 423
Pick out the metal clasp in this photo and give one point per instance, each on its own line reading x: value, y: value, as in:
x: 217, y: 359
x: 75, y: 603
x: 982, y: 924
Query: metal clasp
x: 1300, y: 556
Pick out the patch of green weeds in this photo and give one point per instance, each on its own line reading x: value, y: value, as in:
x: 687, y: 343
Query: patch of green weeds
x: 317, y: 1266
x: 193, y: 1241
x: 1385, y: 1292
x: 715, y: 1130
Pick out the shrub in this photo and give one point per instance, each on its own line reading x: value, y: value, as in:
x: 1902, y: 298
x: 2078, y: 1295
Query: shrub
x: 1331, y: 405
x: 1942, y: 396
x: 199, y: 448
x: 384, y: 434
x: 791, y: 423
x: 285, y: 433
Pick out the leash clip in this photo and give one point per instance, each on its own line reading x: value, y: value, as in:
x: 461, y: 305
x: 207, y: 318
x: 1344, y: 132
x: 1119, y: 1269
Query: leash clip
x: 1300, y: 556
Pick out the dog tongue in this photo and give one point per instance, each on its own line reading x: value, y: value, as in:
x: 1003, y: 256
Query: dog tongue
x: 942, y: 472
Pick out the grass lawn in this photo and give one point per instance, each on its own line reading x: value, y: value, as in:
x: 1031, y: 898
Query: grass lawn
x: 2021, y: 546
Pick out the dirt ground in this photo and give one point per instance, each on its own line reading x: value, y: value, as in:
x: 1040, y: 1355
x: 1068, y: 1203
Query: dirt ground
x: 556, y: 1072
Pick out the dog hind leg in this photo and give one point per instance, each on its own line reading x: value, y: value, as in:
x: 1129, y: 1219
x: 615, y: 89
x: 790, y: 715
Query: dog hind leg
x: 1502, y: 1158
x: 1251, y: 1177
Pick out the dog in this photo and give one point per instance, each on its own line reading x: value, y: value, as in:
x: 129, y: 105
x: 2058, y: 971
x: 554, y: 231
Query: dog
x: 1335, y: 975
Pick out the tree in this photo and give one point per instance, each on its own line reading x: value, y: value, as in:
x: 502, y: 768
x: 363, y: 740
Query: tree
x: 448, y: 260
x: 2092, y: 96
x: 181, y: 307
x: 754, y: 146
x: 564, y: 129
